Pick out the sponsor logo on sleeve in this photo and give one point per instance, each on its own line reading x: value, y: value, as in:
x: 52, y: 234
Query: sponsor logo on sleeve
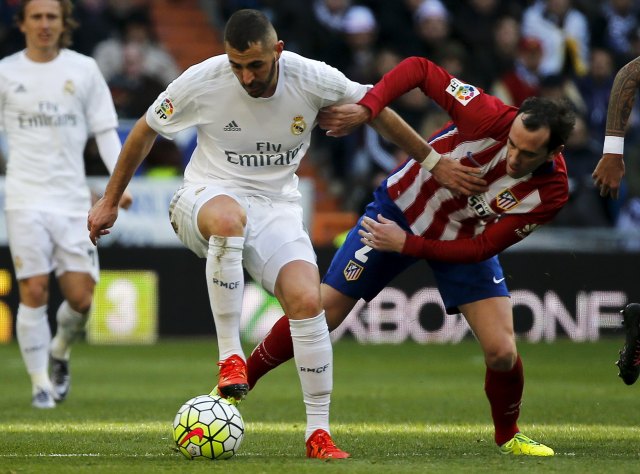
x: 463, y: 93
x: 164, y: 109
x: 526, y: 230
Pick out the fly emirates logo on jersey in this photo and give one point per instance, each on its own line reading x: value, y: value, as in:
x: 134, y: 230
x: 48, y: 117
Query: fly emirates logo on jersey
x: 48, y: 115
x: 267, y: 154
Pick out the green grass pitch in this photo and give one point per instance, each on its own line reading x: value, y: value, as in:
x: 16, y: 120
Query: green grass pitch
x: 396, y: 408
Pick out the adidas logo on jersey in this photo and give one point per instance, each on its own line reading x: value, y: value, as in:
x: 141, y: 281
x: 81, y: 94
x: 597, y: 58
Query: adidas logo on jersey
x: 232, y: 127
x: 21, y: 88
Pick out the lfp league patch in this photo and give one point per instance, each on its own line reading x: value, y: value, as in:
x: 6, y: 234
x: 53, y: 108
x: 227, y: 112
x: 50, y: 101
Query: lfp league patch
x: 463, y: 93
x: 164, y: 109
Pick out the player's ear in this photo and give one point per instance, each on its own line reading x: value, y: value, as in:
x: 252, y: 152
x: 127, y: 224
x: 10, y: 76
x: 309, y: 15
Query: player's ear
x: 555, y: 152
x: 278, y: 48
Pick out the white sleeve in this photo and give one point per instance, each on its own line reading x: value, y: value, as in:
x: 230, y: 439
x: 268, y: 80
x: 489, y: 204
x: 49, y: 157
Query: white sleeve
x: 99, y: 109
x: 176, y: 109
x: 109, y: 147
x: 334, y: 87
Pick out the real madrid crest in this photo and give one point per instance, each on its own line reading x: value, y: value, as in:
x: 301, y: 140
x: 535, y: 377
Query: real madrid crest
x: 69, y: 87
x: 299, y: 125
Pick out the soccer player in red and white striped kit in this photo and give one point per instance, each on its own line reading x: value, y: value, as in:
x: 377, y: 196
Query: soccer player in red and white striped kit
x: 412, y: 217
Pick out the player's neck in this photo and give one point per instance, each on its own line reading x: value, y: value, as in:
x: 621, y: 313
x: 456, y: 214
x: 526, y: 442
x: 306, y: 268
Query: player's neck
x: 42, y: 55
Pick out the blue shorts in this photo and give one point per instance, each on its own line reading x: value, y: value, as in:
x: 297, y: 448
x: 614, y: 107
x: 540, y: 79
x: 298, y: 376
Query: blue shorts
x: 359, y: 271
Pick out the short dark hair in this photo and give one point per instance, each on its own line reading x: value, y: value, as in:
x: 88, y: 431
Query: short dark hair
x: 68, y: 21
x: 246, y: 27
x: 557, y: 115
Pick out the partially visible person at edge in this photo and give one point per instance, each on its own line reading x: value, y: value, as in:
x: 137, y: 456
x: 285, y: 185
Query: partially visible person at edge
x: 413, y: 217
x: 51, y: 100
x: 607, y: 177
x: 254, y: 108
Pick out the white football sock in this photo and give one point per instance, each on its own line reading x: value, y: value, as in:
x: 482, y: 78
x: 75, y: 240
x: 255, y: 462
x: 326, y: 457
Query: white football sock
x: 70, y: 326
x: 225, y: 283
x: 314, y: 361
x: 34, y: 338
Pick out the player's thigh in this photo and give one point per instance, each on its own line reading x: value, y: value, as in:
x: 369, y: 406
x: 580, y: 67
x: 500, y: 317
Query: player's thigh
x: 77, y: 288
x: 358, y: 271
x: 491, y: 320
x: 274, y: 237
x: 73, y: 251
x: 462, y: 283
x: 183, y: 214
x: 30, y: 243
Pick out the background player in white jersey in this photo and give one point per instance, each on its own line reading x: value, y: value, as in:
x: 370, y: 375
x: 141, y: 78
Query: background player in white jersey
x: 412, y: 217
x: 254, y: 109
x: 51, y: 100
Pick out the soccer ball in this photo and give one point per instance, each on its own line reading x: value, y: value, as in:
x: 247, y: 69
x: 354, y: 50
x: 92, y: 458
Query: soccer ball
x: 208, y: 427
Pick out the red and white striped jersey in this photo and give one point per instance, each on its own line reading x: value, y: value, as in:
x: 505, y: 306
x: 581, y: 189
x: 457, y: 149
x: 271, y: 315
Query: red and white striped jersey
x: 453, y: 227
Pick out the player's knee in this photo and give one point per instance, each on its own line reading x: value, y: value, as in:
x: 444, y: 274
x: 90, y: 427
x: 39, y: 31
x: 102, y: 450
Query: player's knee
x: 222, y: 220
x: 500, y: 358
x: 80, y: 302
x: 226, y: 226
x: 304, y: 304
x: 34, y: 291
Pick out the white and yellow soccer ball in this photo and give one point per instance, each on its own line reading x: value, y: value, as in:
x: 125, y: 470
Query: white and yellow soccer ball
x: 208, y: 427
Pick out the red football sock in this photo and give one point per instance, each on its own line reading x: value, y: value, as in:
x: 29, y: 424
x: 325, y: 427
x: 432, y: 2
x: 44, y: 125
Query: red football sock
x: 275, y: 348
x: 504, y: 391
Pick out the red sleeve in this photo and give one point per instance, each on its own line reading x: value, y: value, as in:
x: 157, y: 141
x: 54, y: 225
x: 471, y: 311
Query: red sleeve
x: 495, y: 238
x: 473, y: 111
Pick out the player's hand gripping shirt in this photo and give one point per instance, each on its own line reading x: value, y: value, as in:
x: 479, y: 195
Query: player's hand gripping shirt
x: 250, y: 145
x: 460, y: 228
x: 48, y: 110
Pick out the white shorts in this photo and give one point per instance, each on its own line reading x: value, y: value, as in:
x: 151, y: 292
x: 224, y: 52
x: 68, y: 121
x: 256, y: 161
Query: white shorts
x: 41, y: 242
x: 274, y: 235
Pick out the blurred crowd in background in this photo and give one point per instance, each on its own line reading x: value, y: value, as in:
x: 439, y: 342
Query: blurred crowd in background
x: 509, y: 48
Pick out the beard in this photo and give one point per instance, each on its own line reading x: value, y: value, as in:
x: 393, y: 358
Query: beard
x: 259, y: 88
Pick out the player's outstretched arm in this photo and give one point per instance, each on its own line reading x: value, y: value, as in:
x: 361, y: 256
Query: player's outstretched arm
x: 457, y: 177
x: 109, y: 147
x: 386, y: 235
x: 104, y: 213
x: 610, y: 169
x: 450, y: 173
x: 341, y: 120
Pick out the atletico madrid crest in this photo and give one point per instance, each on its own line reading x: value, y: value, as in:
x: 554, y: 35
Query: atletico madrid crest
x: 352, y: 271
x: 506, y: 200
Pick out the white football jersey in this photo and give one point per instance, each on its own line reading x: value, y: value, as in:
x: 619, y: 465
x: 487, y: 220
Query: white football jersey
x: 47, y: 111
x: 250, y: 145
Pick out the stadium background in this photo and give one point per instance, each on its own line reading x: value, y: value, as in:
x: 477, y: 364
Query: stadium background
x: 568, y: 280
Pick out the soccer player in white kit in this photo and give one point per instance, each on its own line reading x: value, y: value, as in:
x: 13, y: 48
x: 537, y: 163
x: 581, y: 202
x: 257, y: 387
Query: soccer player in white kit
x: 51, y: 100
x: 254, y: 109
